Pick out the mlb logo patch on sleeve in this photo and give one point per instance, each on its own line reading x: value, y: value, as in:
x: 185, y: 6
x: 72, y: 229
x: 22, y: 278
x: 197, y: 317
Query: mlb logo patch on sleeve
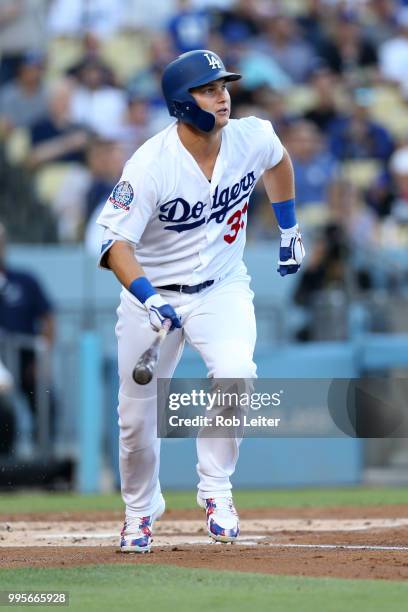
x: 122, y: 195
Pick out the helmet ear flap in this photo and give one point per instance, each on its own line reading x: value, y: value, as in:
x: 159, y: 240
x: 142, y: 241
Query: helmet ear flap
x: 181, y: 109
x: 178, y: 106
x: 200, y: 118
x: 190, y: 112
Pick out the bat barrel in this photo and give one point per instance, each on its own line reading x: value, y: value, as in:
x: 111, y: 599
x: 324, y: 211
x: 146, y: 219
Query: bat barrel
x: 144, y: 369
x: 142, y: 375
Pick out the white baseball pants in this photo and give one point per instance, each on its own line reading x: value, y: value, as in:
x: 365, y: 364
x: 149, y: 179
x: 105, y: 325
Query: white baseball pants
x: 219, y: 322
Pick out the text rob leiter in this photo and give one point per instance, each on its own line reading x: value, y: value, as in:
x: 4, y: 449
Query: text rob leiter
x: 223, y: 421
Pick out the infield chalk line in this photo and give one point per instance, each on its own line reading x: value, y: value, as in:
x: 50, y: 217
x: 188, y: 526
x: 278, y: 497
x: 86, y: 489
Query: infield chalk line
x: 339, y: 546
x: 250, y: 541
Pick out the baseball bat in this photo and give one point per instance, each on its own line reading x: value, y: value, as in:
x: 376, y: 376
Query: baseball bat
x: 143, y: 371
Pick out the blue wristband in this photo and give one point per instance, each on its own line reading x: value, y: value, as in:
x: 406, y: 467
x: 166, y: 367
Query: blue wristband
x: 141, y: 288
x: 285, y: 213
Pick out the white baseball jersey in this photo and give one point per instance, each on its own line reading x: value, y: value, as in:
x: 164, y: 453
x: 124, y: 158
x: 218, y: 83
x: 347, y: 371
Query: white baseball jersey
x: 187, y: 230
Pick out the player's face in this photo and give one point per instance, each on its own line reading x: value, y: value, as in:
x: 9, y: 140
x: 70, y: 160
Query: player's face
x: 214, y: 98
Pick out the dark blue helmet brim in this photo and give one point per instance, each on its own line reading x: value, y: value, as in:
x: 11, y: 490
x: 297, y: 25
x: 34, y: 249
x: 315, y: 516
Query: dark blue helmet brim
x: 220, y: 74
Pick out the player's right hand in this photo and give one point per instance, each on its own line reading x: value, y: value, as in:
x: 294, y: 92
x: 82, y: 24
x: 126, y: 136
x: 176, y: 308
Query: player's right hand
x: 291, y: 251
x: 159, y: 310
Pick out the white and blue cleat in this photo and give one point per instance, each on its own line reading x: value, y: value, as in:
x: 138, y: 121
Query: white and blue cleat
x: 136, y: 535
x: 222, y: 518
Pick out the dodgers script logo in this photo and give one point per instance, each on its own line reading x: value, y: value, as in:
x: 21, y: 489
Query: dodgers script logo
x: 184, y: 216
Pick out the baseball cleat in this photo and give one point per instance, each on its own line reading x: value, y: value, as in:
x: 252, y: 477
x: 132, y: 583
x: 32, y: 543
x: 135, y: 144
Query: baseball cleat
x: 136, y: 535
x: 222, y: 518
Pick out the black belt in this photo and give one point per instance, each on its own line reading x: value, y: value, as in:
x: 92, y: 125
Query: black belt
x: 188, y: 288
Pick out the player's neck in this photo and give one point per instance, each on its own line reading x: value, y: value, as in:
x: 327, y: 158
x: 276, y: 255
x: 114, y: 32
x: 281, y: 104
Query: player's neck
x: 200, y: 145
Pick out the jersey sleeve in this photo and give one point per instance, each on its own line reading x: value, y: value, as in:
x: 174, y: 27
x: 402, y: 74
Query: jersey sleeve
x: 272, y: 146
x: 131, y: 203
x: 108, y: 239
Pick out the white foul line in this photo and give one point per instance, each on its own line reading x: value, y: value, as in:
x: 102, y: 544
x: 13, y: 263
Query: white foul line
x: 339, y: 546
x: 162, y: 541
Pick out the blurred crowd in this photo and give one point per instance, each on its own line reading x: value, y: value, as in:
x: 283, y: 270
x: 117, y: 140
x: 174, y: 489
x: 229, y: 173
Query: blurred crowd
x: 80, y: 91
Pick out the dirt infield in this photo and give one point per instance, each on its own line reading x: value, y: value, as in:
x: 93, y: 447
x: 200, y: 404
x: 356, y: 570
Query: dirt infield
x: 343, y: 542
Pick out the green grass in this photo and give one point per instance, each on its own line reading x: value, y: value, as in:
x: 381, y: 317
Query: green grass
x: 294, y: 498
x: 147, y: 587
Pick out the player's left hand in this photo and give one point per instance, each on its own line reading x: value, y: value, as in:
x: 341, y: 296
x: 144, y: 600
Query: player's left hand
x: 291, y: 251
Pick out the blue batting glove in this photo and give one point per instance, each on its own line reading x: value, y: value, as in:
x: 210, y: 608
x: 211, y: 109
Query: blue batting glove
x: 159, y: 310
x: 291, y: 251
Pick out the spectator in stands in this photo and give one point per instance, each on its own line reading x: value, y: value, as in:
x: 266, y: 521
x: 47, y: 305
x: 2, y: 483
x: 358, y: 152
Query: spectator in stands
x: 357, y: 136
x: 315, y: 168
x: 22, y: 27
x: 325, y: 88
x: 54, y: 137
x: 325, y: 274
x: 105, y: 161
x: 189, y: 28
x: 260, y: 69
x: 25, y: 309
x: 137, y: 124
x: 379, y: 195
x: 348, y: 209
x: 237, y: 23
x: 28, y: 220
x: 84, y: 188
x: 281, y: 41
x: 399, y: 170
x: 379, y: 21
x: 94, y: 103
x: 24, y: 100
x: 273, y: 106
x: 139, y: 15
x: 327, y: 286
x: 147, y: 81
x: 347, y: 52
x: 111, y: 156
x: 101, y: 18
x: 394, y: 54
x: 313, y: 23
x: 92, y: 54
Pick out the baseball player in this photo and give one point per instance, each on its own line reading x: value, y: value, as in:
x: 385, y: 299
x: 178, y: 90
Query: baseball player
x: 174, y: 237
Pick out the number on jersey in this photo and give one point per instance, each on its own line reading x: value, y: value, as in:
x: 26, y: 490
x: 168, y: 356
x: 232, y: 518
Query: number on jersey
x: 237, y: 223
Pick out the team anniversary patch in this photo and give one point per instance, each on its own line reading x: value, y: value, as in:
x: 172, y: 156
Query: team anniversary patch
x: 122, y: 195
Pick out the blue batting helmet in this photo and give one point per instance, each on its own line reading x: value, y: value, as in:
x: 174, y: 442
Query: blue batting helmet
x: 190, y: 70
